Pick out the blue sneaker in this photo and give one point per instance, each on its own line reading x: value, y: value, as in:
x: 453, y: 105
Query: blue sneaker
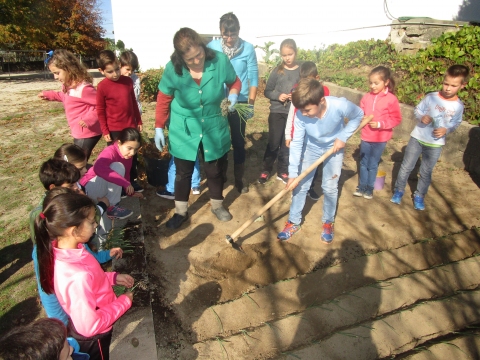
x: 327, y: 232
x: 418, y: 203
x: 397, y: 197
x: 288, y: 231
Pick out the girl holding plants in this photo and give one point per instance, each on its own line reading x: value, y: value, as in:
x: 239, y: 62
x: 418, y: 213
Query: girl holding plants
x: 110, y: 173
x: 279, y: 90
x: 383, y: 105
x: 78, y: 96
x: 67, y: 269
x: 190, y: 93
x: 244, y: 61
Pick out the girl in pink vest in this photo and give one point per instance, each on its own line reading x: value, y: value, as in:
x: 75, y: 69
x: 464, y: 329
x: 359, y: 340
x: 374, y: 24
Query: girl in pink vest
x: 79, y: 98
x: 67, y: 269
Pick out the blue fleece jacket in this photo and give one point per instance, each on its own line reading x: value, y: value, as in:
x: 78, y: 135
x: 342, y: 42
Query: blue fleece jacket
x: 322, y: 132
x: 245, y: 65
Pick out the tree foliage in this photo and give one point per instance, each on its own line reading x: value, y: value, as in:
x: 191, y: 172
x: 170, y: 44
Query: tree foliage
x: 51, y: 24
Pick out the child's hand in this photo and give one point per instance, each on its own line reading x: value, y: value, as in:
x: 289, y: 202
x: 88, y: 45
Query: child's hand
x: 287, y: 143
x: 104, y: 200
x: 374, y: 124
x: 438, y: 133
x: 40, y: 95
x: 117, y: 253
x: 291, y: 183
x: 125, y: 280
x: 338, y: 145
x: 284, y: 97
x: 83, y: 124
x: 140, y: 128
x: 107, y: 138
x: 137, y: 195
x: 129, y: 295
x: 129, y: 190
x: 426, y: 119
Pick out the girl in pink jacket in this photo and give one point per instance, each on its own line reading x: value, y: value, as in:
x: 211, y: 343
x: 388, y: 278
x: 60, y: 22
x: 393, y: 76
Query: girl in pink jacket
x: 79, y: 98
x: 67, y: 269
x: 383, y: 105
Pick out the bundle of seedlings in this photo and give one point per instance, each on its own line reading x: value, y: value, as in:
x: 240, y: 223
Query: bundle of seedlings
x: 245, y: 111
x: 149, y: 149
x: 116, y: 239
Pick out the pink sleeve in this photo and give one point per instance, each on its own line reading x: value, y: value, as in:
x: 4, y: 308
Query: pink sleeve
x: 102, y: 169
x: 89, y: 96
x: 394, y: 115
x: 102, y: 118
x: 89, y: 320
x: 112, y: 277
x: 54, y: 95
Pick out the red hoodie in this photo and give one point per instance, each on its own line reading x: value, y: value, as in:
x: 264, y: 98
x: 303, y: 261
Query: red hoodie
x: 386, y: 110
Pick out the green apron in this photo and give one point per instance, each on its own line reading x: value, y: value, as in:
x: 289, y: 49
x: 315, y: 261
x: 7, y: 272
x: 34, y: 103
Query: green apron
x: 195, y: 114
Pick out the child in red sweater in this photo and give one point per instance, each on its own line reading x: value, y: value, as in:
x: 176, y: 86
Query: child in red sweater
x: 384, y: 106
x: 117, y: 107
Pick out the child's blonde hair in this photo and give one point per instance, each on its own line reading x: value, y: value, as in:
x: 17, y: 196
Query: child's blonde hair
x: 76, y: 72
x: 289, y: 43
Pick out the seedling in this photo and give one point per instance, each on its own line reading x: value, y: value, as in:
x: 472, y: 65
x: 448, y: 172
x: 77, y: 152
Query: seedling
x: 218, y: 319
x: 247, y: 295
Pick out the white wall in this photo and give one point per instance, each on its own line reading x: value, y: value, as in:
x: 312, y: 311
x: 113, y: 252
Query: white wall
x: 148, y: 26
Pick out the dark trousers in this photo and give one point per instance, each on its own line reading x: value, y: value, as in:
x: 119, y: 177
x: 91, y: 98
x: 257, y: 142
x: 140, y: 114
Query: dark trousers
x: 133, y: 169
x: 98, y: 346
x: 87, y: 144
x: 213, y: 170
x: 237, y: 131
x: 276, y: 144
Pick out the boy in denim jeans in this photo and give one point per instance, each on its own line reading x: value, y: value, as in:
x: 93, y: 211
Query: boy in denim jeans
x: 319, y: 125
x: 438, y: 114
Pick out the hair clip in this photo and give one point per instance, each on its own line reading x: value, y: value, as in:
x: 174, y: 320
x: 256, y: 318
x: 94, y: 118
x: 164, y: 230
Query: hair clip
x: 65, y: 158
x: 42, y: 216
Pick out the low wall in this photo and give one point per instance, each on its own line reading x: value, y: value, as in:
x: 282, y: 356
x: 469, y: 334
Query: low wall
x: 461, y: 148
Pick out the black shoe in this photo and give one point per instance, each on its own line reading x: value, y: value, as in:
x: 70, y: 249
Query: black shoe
x: 240, y: 188
x: 263, y: 177
x: 136, y: 187
x: 176, y: 220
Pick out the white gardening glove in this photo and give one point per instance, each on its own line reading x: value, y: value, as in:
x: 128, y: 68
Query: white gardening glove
x: 159, y: 139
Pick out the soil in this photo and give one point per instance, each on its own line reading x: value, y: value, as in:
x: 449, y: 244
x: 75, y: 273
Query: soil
x: 395, y: 282
x: 216, y: 302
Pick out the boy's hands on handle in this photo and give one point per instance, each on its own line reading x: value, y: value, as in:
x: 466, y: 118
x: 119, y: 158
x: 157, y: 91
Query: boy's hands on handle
x: 116, y: 253
x: 338, y: 145
x: 159, y: 139
x: 125, y: 280
x: 107, y: 138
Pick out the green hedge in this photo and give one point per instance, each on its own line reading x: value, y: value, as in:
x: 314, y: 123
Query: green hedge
x: 149, y: 84
x: 415, y: 75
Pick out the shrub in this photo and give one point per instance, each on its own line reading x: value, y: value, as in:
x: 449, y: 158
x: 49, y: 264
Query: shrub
x: 149, y: 82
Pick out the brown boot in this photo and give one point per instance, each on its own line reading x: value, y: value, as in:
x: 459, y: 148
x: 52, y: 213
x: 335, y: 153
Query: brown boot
x: 238, y: 171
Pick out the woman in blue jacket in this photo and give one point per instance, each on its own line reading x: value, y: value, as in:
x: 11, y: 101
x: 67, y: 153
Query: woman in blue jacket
x: 244, y: 61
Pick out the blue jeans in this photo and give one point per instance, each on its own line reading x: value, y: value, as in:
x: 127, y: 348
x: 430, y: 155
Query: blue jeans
x: 332, y: 168
x: 430, y: 157
x: 172, y: 172
x: 370, y: 154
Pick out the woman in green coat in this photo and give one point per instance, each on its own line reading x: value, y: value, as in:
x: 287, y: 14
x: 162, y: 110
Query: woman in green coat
x: 191, y: 90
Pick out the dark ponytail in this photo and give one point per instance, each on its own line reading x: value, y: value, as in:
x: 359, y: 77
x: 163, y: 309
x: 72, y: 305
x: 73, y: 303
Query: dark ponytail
x: 62, y: 208
x: 385, y: 73
x: 129, y: 134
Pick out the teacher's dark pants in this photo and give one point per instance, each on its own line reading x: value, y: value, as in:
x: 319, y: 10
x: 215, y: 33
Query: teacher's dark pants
x: 213, y: 170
